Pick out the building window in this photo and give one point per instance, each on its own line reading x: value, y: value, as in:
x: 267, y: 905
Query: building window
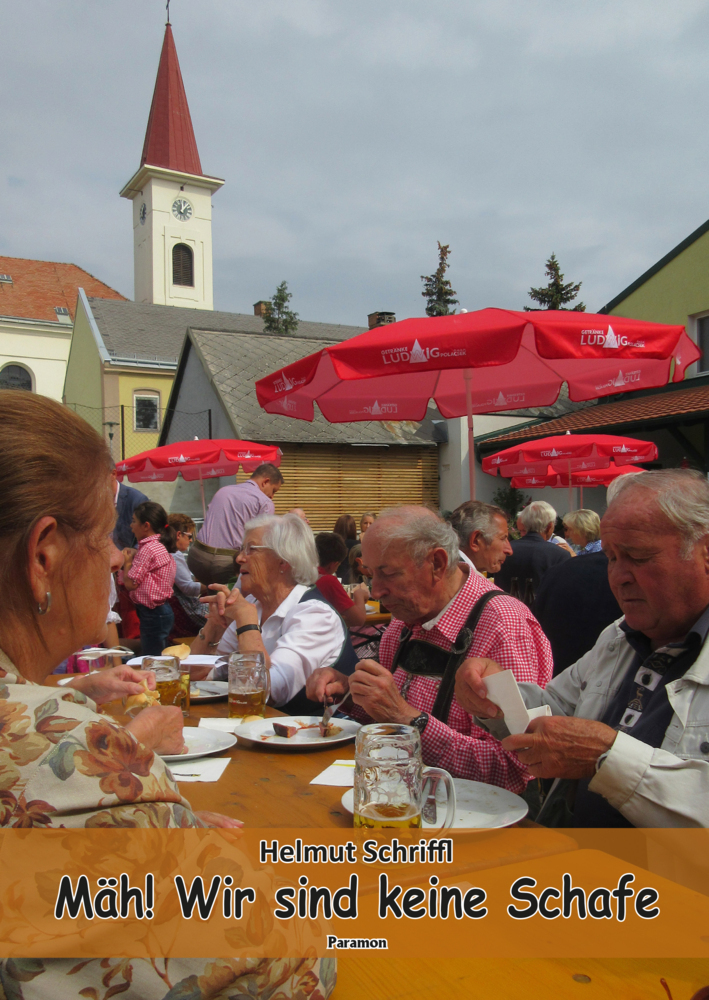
x: 182, y: 265
x: 15, y: 377
x: 703, y: 343
x: 146, y: 411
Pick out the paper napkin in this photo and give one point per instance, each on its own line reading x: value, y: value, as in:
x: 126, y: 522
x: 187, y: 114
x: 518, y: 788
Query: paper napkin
x: 204, y: 769
x: 504, y: 691
x: 339, y: 773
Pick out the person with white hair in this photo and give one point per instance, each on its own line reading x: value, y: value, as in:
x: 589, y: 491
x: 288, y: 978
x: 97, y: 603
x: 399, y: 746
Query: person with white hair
x: 277, y: 611
x: 583, y: 529
x: 532, y: 555
x: 628, y: 737
x: 441, y: 612
x: 483, y: 533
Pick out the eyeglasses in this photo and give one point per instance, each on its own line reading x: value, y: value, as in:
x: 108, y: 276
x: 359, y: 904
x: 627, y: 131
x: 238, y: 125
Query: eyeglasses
x: 246, y: 550
x: 187, y: 534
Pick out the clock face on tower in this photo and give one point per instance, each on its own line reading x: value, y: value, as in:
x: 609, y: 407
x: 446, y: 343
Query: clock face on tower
x: 143, y: 214
x: 182, y: 209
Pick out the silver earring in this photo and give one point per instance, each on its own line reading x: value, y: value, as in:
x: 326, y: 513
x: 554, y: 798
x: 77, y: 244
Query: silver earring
x: 43, y: 610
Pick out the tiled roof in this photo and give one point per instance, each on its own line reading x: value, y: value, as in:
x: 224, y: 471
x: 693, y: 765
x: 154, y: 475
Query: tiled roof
x: 149, y: 331
x: 640, y: 412
x: 169, y: 138
x: 39, y: 286
x: 235, y: 361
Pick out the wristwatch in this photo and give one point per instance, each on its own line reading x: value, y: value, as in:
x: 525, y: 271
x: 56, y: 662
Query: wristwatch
x: 420, y: 722
x: 248, y: 628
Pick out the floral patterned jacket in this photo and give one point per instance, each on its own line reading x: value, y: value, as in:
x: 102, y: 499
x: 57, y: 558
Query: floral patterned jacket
x: 63, y: 765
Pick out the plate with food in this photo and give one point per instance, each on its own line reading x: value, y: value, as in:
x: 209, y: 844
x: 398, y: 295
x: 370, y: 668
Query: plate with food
x: 478, y: 806
x: 201, y: 743
x: 208, y: 690
x: 298, y: 732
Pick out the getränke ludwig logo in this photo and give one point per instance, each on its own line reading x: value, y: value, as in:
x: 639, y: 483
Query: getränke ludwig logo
x: 607, y: 338
x: 377, y: 409
x: 418, y: 355
x: 177, y: 460
x: 285, y: 384
x: 620, y: 380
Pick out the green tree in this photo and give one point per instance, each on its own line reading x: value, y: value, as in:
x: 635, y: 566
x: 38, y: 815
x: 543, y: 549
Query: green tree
x: 512, y: 501
x: 555, y: 295
x: 281, y: 319
x: 437, y: 288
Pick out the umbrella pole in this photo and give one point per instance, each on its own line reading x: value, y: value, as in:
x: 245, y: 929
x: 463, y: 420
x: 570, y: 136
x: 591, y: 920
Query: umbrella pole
x: 581, y: 496
x: 467, y: 375
x: 571, y: 490
x: 201, y: 490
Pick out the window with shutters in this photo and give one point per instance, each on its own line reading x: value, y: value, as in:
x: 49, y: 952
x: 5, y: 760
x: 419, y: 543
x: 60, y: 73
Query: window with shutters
x: 182, y: 265
x: 15, y: 377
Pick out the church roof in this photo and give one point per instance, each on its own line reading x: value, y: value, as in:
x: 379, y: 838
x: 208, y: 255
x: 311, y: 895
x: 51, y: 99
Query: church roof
x: 37, y: 288
x: 169, y: 138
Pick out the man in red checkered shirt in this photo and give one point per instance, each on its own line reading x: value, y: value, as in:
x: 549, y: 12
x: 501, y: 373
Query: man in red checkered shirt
x: 413, y: 556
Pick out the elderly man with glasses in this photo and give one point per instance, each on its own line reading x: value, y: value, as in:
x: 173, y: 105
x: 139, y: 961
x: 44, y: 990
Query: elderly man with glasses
x: 441, y: 612
x: 628, y: 737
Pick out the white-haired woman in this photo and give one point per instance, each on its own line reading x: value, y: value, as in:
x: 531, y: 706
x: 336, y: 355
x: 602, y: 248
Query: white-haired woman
x: 269, y: 615
x: 583, y: 529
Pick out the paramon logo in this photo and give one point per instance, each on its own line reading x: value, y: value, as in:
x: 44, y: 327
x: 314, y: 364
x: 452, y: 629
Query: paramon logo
x: 607, y: 338
x: 285, y: 384
x: 378, y: 409
x: 622, y: 379
x: 418, y: 355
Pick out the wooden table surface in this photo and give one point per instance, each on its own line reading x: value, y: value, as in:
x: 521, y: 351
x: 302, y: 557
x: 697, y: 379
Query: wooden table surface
x: 270, y: 788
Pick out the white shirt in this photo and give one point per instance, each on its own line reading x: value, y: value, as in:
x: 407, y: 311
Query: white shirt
x: 299, y: 638
x: 464, y: 558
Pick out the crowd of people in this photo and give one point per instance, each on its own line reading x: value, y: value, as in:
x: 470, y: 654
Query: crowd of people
x: 602, y: 637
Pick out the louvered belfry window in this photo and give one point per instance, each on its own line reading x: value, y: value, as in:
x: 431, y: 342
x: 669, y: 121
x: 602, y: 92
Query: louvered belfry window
x: 182, y: 265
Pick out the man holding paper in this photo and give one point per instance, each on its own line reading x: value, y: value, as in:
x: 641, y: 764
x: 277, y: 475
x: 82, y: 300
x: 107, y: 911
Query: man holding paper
x: 629, y: 727
x: 441, y: 612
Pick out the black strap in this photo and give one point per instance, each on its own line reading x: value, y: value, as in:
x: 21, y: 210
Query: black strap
x: 456, y: 655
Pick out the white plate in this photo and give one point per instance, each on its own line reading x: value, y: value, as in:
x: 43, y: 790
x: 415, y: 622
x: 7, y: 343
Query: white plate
x: 261, y: 731
x: 192, y: 660
x: 201, y: 743
x: 208, y: 690
x: 478, y: 805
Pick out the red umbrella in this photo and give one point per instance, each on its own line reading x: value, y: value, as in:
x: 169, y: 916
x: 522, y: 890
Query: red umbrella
x: 567, y: 453
x: 479, y: 362
x: 205, y: 459
x: 559, y: 480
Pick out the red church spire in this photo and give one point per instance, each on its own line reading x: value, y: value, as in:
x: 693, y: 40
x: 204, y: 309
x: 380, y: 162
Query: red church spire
x: 169, y: 138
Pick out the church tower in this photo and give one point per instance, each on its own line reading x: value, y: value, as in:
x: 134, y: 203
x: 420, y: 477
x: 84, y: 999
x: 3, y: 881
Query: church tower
x: 172, y: 200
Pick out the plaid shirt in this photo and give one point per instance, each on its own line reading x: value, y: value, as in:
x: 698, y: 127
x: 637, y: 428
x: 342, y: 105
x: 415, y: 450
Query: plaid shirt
x: 508, y: 633
x: 153, y: 570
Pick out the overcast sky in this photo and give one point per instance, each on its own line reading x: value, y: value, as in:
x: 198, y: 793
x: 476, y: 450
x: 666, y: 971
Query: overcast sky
x: 354, y: 135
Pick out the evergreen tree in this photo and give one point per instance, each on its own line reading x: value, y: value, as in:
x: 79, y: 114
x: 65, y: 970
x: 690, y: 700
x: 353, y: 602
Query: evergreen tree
x: 281, y: 319
x: 556, y: 295
x: 511, y: 500
x: 437, y: 289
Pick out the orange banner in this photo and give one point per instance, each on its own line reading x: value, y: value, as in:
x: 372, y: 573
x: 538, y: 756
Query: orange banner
x: 508, y: 893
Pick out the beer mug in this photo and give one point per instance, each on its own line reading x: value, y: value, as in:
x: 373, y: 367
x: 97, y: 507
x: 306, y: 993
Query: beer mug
x: 172, y: 680
x: 249, y: 685
x: 389, y: 779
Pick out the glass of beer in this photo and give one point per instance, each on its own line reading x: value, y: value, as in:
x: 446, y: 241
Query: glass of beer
x: 172, y: 680
x: 249, y: 685
x: 389, y: 782
x: 371, y: 739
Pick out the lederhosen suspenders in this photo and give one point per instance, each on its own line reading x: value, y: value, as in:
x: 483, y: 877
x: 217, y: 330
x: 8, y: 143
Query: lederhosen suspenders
x: 418, y: 657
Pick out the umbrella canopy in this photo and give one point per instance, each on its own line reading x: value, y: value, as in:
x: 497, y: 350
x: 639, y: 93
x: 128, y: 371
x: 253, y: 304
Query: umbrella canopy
x: 194, y: 460
x: 480, y: 362
x: 567, y: 453
x: 559, y: 480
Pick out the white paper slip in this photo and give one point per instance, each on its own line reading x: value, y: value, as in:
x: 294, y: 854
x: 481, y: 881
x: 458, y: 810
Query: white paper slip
x: 206, y: 769
x: 223, y: 725
x: 504, y: 691
x: 339, y: 773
